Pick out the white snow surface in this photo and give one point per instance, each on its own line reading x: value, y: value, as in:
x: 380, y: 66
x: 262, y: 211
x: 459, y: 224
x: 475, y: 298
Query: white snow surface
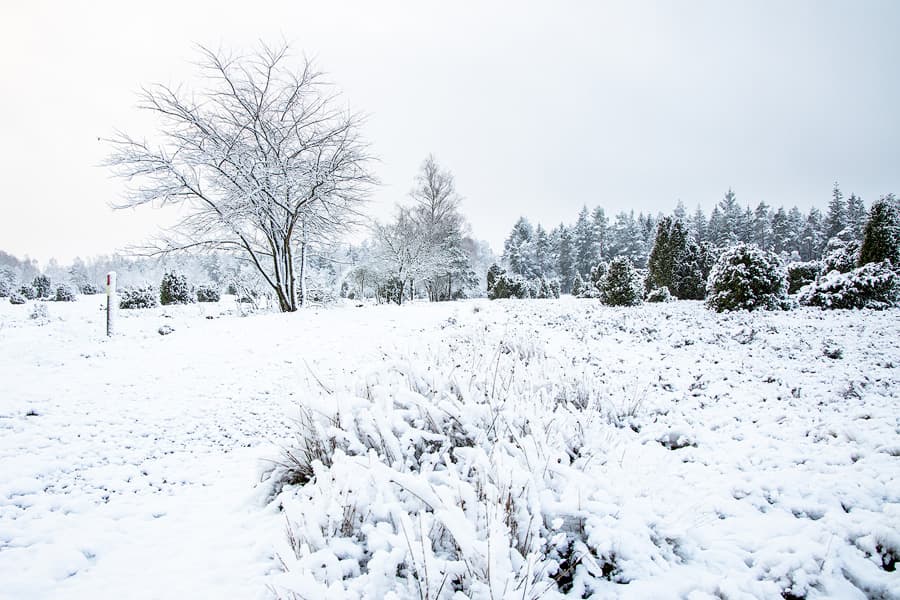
x: 471, y: 450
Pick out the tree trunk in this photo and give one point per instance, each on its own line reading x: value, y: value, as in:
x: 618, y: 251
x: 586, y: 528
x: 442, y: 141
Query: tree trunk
x: 303, y: 244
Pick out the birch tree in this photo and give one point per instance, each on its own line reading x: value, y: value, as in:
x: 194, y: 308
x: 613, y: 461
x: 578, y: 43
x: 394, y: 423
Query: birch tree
x: 258, y: 161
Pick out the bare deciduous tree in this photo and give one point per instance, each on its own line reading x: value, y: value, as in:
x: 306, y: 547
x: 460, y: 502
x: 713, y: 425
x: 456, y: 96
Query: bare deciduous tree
x: 260, y: 161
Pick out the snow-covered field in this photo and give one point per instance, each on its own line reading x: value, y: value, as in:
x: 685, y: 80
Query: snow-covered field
x: 484, y: 449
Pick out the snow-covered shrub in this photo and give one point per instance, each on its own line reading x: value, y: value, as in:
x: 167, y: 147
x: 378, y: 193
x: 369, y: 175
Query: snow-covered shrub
x: 840, y: 255
x: 468, y: 488
x: 41, y: 285
x: 16, y: 298
x: 139, y: 297
x: 175, y: 289
x: 747, y: 278
x: 622, y: 285
x: 5, y: 288
x: 803, y: 273
x: 208, y: 293
x: 874, y: 285
x: 659, y: 295
x: 28, y: 292
x: 512, y: 286
x: 89, y: 289
x: 65, y: 293
x: 40, y: 312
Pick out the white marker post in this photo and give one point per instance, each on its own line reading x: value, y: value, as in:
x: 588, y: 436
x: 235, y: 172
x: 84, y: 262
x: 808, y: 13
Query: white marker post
x: 111, y: 303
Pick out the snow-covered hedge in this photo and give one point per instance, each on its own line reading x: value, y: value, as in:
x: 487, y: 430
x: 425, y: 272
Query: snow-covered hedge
x: 141, y: 297
x: 65, y: 293
x: 505, y: 285
x: 659, y: 295
x: 747, y: 278
x: 208, y: 293
x: 803, y: 273
x: 42, y: 286
x: 175, y: 289
x: 874, y: 285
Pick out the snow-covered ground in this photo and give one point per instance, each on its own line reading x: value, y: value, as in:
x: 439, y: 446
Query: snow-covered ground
x: 488, y: 449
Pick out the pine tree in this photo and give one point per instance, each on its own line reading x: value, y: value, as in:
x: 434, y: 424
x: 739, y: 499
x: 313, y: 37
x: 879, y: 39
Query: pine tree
x: 781, y: 231
x: 543, y: 254
x: 668, y: 251
x: 731, y: 219
x: 762, y: 227
x: 796, y: 222
x: 699, y: 225
x: 856, y: 217
x: 680, y: 212
x: 836, y: 219
x: 586, y: 252
x: 692, y: 271
x: 627, y: 239
x: 716, y: 230
x: 517, y: 250
x: 565, y: 265
x: 600, y: 223
x: 881, y: 238
x: 811, y: 242
x: 621, y: 286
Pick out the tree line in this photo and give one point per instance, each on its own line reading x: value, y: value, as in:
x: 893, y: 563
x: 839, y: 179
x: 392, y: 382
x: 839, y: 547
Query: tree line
x: 569, y: 251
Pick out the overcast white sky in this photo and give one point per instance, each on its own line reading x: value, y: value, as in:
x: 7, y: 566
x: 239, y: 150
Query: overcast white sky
x: 538, y: 108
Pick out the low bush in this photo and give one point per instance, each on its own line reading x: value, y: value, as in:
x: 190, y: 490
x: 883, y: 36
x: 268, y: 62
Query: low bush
x: 747, y: 278
x: 175, y: 289
x: 803, y: 273
x: 90, y: 289
x: 660, y: 295
x: 208, y: 293
x: 140, y: 297
x: 874, y: 285
x: 16, y: 298
x: 65, y: 293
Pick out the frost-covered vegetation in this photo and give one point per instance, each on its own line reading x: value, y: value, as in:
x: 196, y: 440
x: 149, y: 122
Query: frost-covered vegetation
x: 573, y: 450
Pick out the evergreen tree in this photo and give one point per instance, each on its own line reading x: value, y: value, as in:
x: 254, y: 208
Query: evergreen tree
x: 856, y: 217
x: 762, y: 227
x: 796, y: 223
x: 621, y: 286
x: 680, y: 212
x: 811, y: 242
x: 626, y: 239
x: 881, y: 238
x: 716, y: 231
x: 781, y: 231
x: 517, y: 250
x: 745, y: 226
x: 543, y: 252
x: 601, y: 231
x: 836, y: 219
x: 565, y: 265
x: 699, y: 225
x: 729, y: 232
x: 692, y: 271
x: 668, y: 251
x: 586, y: 251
